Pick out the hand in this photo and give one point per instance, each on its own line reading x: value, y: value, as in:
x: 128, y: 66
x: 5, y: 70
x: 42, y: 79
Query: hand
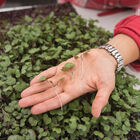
x: 93, y: 70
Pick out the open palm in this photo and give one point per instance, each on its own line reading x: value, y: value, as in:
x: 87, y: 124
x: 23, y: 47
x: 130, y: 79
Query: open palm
x: 93, y: 70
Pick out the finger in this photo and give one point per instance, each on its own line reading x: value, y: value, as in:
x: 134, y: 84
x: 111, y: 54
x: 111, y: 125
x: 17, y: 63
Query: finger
x: 101, y: 99
x: 105, y: 85
x: 39, y: 87
x: 48, y: 73
x: 51, y: 104
x: 41, y: 97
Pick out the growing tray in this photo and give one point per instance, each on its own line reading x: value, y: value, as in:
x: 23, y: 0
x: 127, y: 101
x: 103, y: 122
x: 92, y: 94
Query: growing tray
x: 15, y: 15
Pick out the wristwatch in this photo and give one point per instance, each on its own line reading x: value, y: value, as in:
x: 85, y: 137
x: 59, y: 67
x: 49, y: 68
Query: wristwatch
x: 114, y: 52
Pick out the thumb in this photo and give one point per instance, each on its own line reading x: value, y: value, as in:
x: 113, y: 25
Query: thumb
x: 101, y: 99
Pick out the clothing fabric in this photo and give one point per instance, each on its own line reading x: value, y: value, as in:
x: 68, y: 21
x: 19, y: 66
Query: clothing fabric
x: 2, y: 2
x: 104, y: 4
x: 131, y: 27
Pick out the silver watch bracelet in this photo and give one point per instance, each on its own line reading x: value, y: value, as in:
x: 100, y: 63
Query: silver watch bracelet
x: 115, y: 53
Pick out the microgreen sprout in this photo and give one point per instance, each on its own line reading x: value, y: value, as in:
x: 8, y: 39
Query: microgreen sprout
x: 72, y: 73
x: 82, y: 62
x: 61, y: 78
x: 76, y: 56
x: 86, y: 52
x: 54, y: 87
x: 67, y: 66
x: 42, y: 78
x: 82, y: 66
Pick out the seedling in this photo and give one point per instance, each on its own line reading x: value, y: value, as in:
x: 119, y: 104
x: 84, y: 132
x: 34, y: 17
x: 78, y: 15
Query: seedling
x: 61, y: 79
x: 68, y: 66
x: 72, y: 74
x: 76, y: 56
x: 82, y: 66
x: 82, y: 62
x: 54, y: 87
x: 86, y: 53
x: 42, y: 79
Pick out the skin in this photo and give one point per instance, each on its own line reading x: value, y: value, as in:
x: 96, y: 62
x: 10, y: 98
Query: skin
x: 98, y: 75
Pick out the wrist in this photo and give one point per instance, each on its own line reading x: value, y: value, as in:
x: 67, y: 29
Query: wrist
x: 126, y: 46
x: 109, y: 57
x: 114, y: 52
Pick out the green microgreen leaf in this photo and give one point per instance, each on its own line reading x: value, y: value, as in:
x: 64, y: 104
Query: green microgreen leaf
x: 100, y: 134
x: 46, y: 119
x: 28, y: 19
x: 68, y: 66
x: 15, y: 137
x: 8, y: 48
x: 42, y: 78
x: 138, y: 126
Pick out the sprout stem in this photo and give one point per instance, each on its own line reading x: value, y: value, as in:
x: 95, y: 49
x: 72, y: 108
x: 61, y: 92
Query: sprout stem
x: 82, y: 66
x: 72, y: 73
x: 51, y: 83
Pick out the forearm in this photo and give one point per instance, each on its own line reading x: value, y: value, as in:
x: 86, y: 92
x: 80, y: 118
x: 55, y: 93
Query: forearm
x: 126, y: 46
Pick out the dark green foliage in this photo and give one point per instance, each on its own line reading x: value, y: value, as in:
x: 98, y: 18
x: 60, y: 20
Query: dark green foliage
x: 39, y: 43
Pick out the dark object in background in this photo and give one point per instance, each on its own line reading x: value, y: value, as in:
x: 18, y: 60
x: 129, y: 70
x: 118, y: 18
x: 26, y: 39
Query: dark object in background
x: 16, y: 3
x: 14, y: 16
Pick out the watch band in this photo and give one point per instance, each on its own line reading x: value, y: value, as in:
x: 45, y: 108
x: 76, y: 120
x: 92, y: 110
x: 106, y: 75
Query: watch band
x: 114, y: 52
